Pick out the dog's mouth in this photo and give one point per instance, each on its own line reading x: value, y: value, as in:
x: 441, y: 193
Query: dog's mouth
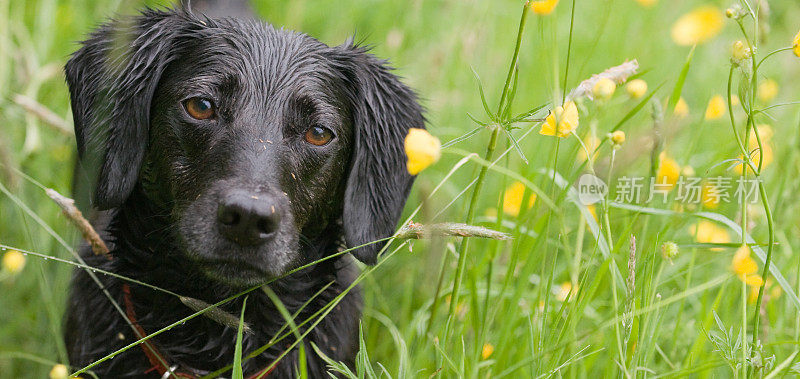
x: 211, y: 240
x: 241, y: 267
x: 235, y: 272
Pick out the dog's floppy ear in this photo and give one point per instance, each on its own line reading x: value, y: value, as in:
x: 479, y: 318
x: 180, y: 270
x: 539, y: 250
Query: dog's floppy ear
x: 112, y: 79
x: 384, y: 109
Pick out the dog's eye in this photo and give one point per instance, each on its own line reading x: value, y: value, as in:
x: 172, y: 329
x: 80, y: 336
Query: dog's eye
x: 200, y: 108
x: 318, y: 135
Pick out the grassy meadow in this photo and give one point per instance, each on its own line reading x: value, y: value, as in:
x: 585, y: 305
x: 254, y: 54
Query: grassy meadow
x: 631, y: 286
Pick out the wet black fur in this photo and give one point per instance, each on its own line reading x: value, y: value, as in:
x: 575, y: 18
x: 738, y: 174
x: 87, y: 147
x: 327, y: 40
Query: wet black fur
x: 159, y: 175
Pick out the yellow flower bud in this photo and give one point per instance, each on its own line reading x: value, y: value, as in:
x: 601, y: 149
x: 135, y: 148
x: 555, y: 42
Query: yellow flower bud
x: 740, y: 52
x: 422, y: 150
x: 716, y: 108
x: 59, y: 371
x: 13, y: 261
x: 618, y: 137
x: 604, y: 88
x: 730, y: 13
x: 636, y: 88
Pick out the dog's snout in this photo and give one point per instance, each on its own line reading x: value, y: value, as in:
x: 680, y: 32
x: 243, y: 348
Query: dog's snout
x: 247, y: 219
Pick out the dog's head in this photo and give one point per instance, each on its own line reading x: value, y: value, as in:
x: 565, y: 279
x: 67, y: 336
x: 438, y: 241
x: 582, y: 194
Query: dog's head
x: 253, y: 138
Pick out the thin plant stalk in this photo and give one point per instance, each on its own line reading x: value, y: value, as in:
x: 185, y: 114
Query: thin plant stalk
x: 462, y: 252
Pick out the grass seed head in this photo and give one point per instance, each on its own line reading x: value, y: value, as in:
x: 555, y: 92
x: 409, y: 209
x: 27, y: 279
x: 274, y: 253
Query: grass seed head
x: 669, y: 250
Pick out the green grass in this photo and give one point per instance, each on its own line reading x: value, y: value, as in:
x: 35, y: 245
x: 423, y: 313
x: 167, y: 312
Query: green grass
x: 686, y: 317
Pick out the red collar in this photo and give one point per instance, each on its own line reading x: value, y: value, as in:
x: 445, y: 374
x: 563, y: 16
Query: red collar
x: 157, y: 360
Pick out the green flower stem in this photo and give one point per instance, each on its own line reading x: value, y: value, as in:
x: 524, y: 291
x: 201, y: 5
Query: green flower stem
x: 757, y: 173
x: 771, y: 54
x: 463, y: 248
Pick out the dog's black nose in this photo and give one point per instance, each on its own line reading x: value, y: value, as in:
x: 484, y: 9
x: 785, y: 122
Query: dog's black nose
x: 247, y: 219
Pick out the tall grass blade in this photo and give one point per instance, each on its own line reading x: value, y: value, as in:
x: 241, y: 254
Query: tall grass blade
x: 237, y: 353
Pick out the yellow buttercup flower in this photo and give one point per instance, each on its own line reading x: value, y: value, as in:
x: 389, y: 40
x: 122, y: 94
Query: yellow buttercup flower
x: 681, y: 108
x: 767, y: 90
x: 745, y: 267
x: 764, y: 131
x: 708, y: 232
x: 636, y: 88
x: 710, y: 196
x: 647, y: 3
x: 668, y: 172
x: 716, y: 108
x: 487, y: 351
x: 561, y: 122
x: 563, y: 292
x: 771, y: 292
x: 422, y: 150
x: 698, y: 26
x: 13, y: 261
x: 593, y: 210
x: 796, y: 44
x: 543, y: 7
x: 776, y: 291
x: 512, y: 199
x: 604, y: 88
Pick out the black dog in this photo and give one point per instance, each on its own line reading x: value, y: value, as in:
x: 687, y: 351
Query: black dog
x: 228, y: 153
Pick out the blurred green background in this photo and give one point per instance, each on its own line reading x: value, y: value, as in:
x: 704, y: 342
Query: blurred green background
x: 435, y: 46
